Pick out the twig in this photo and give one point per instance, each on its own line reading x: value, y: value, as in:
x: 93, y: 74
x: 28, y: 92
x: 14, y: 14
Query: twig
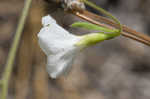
x: 125, y: 28
x: 13, y: 50
x: 101, y: 10
x: 127, y: 32
x: 1, y: 83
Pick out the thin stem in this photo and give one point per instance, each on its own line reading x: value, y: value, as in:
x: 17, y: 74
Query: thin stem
x: 13, y: 50
x: 95, y: 19
x: 111, y: 23
x: 1, y: 83
x: 112, y: 35
x: 104, y: 12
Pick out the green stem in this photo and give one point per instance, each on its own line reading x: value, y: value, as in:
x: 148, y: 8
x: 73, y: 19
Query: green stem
x: 104, y: 12
x: 13, y: 50
x: 1, y: 83
x: 112, y: 35
x: 94, y: 38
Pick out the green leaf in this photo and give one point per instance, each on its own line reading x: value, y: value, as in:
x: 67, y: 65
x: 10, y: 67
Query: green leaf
x: 90, y: 26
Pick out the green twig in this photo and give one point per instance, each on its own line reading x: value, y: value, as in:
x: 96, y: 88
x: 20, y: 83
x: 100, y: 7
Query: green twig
x: 104, y: 12
x: 1, y: 83
x: 94, y: 38
x: 13, y: 50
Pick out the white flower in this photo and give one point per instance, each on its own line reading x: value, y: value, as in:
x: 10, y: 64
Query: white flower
x: 59, y: 46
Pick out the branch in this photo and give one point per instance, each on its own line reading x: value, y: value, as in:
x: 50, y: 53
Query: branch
x: 104, y: 12
x: 1, y: 83
x: 99, y: 20
x: 13, y: 50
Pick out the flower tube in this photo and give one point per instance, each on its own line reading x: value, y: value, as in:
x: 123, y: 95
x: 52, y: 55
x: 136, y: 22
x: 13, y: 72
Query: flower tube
x: 59, y: 46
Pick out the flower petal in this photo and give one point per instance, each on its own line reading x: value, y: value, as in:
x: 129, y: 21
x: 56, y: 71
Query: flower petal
x: 59, y: 46
x: 60, y: 63
x: 52, y: 38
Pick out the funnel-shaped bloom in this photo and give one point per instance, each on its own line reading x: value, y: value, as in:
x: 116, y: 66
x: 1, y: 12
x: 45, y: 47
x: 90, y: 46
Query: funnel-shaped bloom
x: 59, y: 46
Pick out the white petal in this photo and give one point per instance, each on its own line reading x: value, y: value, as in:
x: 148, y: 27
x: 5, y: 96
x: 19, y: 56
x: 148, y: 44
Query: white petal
x: 59, y: 45
x: 61, y: 62
x: 52, y: 38
x: 47, y: 20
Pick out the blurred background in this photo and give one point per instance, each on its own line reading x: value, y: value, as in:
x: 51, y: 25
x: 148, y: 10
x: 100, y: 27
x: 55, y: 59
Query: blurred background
x: 114, y: 69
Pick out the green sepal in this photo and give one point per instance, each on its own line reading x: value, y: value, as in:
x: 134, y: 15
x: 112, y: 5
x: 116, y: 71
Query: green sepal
x: 91, y: 39
x: 90, y: 26
x: 94, y: 38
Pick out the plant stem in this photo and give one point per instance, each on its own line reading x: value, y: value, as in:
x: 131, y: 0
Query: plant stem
x: 13, y: 50
x: 127, y: 32
x: 1, y: 83
x: 104, y: 12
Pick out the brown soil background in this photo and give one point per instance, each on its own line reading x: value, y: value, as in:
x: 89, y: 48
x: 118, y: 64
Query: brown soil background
x: 114, y: 69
